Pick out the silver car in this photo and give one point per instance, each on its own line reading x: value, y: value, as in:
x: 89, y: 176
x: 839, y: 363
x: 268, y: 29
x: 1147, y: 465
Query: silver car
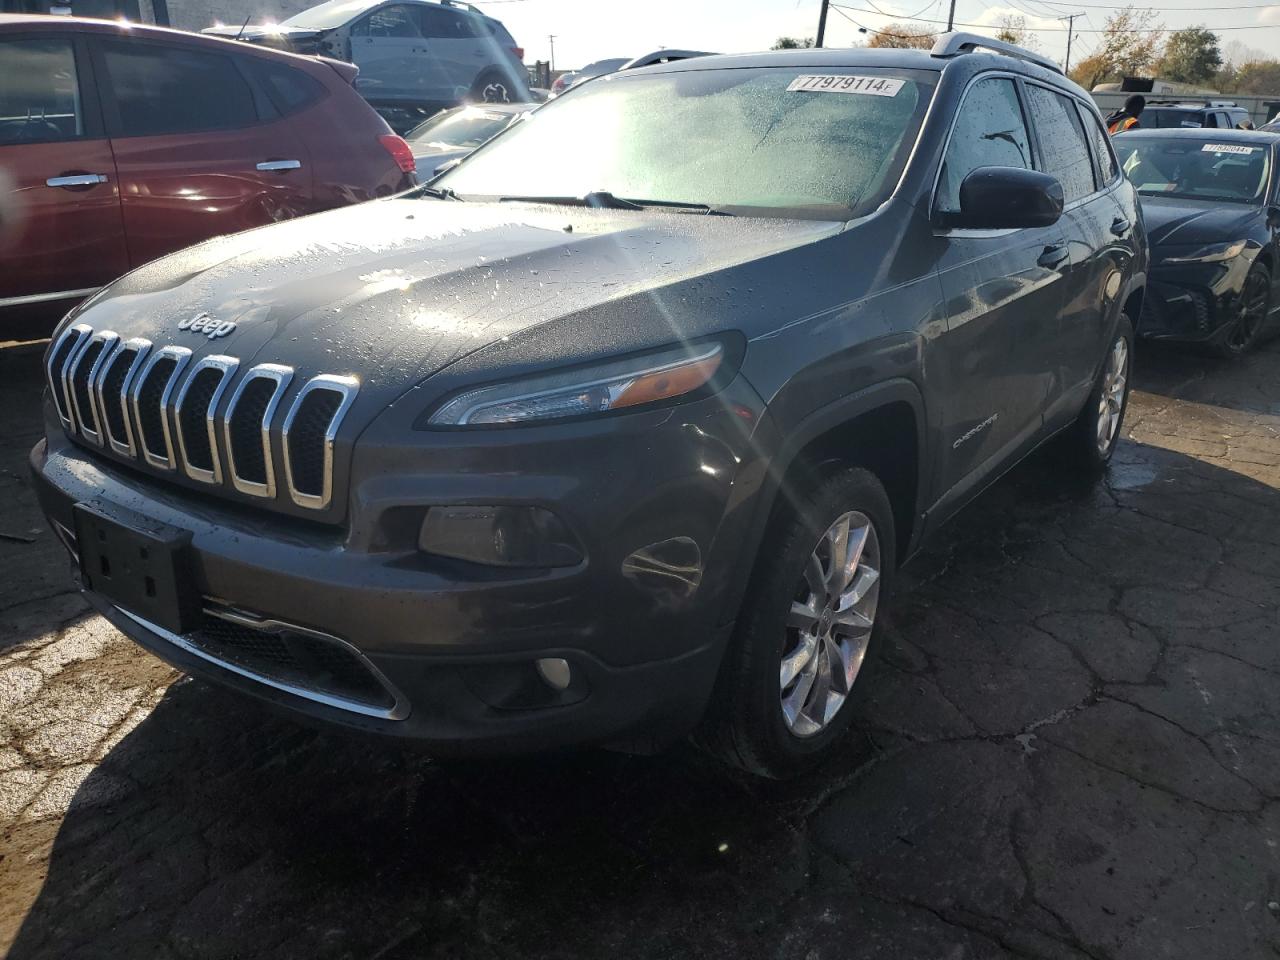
x: 408, y: 51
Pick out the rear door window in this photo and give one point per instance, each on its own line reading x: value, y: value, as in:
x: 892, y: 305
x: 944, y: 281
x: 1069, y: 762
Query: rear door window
x: 39, y: 91
x: 990, y: 131
x: 1066, y: 152
x: 389, y: 22
x: 165, y: 90
x: 442, y: 23
x: 1102, y: 152
x: 291, y: 90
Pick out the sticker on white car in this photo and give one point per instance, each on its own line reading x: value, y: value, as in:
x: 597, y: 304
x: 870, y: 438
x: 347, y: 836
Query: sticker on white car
x: 841, y: 83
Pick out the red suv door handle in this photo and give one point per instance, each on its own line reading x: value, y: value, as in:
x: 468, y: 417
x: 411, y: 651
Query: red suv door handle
x: 279, y: 166
x: 70, y: 180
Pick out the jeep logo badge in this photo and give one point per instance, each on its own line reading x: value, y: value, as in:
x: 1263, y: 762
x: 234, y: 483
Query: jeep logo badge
x: 211, y: 328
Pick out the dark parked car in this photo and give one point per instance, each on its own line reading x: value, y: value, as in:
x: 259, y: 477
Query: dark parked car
x: 408, y: 51
x: 607, y: 449
x: 1215, y: 114
x: 452, y: 134
x: 125, y: 143
x: 1211, y: 201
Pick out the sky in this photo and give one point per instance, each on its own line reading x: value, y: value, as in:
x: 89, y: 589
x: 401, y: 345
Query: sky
x: 587, y: 30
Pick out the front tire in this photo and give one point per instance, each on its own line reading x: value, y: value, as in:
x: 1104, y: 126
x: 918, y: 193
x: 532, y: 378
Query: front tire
x: 1252, y: 308
x: 782, y: 703
x: 1091, y: 440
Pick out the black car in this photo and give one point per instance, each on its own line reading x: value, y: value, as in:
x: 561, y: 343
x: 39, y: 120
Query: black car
x: 612, y: 448
x: 1171, y: 114
x: 1209, y: 199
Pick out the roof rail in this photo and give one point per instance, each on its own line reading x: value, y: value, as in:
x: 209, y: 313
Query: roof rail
x: 954, y: 44
x: 663, y: 56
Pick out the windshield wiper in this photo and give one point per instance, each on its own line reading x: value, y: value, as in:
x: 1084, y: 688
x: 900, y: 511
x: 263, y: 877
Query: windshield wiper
x: 603, y: 199
x: 440, y: 193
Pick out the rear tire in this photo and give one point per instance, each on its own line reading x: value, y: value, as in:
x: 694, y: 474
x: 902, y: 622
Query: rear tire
x: 1251, y: 315
x: 492, y: 87
x: 782, y: 702
x: 1089, y: 443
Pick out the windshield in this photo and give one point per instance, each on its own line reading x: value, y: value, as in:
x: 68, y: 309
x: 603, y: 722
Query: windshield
x: 771, y: 140
x: 463, y: 127
x: 326, y: 16
x: 1195, y: 169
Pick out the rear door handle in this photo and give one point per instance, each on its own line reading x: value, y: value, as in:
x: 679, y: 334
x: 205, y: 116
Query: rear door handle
x: 76, y: 180
x: 1053, y: 255
x: 1120, y: 226
x: 279, y: 166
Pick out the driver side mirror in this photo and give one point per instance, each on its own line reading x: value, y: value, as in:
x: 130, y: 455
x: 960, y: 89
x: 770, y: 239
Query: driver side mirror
x: 1004, y: 198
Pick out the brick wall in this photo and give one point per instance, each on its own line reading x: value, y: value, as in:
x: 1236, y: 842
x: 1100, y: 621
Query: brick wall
x: 198, y: 14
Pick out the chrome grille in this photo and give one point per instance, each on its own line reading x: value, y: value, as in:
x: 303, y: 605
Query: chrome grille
x: 158, y: 407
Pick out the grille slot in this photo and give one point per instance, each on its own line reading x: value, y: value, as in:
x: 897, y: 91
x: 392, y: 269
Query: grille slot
x: 84, y: 370
x: 151, y: 399
x: 248, y: 428
x: 196, y: 406
x: 60, y: 356
x: 309, y: 431
x: 295, y: 658
x: 113, y: 386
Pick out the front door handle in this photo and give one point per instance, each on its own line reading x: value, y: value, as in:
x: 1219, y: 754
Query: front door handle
x: 279, y: 166
x: 76, y: 180
x: 1120, y: 226
x: 1053, y: 255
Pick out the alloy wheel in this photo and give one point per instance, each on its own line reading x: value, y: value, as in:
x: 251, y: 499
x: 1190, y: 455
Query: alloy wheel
x: 1111, y: 403
x: 830, y: 624
x: 1253, y: 311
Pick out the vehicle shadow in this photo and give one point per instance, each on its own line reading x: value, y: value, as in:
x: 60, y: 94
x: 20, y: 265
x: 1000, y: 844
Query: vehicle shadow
x: 1180, y: 372
x: 234, y: 832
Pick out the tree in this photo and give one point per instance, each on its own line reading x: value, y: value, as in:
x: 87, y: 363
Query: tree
x: 1190, y: 56
x: 1013, y: 29
x: 902, y: 36
x: 792, y: 43
x: 1260, y: 76
x: 1127, y: 47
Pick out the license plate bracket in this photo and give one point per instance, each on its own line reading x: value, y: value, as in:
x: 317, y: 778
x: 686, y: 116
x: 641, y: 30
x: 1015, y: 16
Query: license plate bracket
x: 141, y: 565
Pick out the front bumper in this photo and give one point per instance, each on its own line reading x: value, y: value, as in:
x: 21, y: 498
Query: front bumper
x: 1192, y: 302
x: 453, y: 645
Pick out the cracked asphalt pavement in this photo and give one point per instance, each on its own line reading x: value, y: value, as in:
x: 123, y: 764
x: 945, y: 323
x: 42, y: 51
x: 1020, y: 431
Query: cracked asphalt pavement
x: 1068, y: 746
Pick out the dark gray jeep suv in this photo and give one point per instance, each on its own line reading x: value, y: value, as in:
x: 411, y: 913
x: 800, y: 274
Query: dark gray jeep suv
x: 615, y: 446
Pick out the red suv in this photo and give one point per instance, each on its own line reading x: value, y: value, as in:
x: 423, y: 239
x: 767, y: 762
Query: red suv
x: 120, y: 143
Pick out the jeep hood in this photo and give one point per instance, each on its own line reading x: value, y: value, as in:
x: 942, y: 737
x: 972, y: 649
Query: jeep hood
x: 392, y: 291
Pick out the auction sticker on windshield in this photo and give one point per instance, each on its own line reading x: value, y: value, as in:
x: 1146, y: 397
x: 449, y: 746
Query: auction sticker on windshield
x: 1227, y: 148
x: 841, y: 83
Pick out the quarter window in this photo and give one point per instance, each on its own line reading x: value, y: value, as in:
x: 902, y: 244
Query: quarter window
x: 40, y: 93
x: 989, y: 132
x: 164, y: 90
x: 1066, y: 154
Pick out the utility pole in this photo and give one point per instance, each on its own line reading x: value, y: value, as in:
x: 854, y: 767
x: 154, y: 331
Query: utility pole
x: 822, y: 23
x: 552, y: 37
x: 951, y: 17
x: 1071, y: 24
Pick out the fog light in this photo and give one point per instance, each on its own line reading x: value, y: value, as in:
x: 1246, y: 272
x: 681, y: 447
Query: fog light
x: 554, y: 671
x: 499, y: 536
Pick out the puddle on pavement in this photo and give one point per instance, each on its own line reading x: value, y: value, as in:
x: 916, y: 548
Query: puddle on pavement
x: 1130, y: 476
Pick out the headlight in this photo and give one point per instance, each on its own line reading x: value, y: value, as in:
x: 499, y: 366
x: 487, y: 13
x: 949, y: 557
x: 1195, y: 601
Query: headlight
x: 612, y: 386
x: 1212, y: 253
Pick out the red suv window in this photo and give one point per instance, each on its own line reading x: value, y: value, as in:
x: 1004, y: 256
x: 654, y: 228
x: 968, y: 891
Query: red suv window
x: 162, y: 90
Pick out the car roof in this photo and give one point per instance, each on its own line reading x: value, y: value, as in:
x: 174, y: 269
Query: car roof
x: 45, y: 23
x: 812, y: 57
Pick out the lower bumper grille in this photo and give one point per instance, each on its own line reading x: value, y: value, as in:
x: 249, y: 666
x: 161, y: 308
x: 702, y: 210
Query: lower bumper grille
x: 304, y: 662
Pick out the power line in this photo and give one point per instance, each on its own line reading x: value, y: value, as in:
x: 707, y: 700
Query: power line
x: 1071, y: 22
x: 990, y: 26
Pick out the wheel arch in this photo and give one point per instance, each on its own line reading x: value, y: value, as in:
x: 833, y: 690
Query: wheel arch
x: 881, y: 428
